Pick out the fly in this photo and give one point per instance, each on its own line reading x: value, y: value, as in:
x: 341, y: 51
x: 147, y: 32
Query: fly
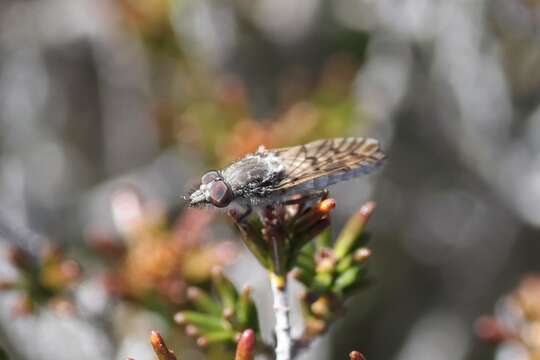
x: 275, y: 175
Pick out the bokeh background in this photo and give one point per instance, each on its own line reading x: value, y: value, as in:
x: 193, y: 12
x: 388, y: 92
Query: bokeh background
x: 111, y: 109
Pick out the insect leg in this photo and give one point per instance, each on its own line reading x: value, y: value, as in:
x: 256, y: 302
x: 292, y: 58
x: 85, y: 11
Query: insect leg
x: 302, y: 198
x: 245, y: 215
x: 240, y: 212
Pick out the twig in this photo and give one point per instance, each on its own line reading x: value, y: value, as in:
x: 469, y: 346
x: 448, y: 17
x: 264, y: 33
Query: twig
x: 281, y: 308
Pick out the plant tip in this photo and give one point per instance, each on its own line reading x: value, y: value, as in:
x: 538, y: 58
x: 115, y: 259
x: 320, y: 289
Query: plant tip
x: 246, y: 345
x: 367, y: 209
x: 179, y: 318
x: 355, y: 355
x: 193, y: 293
x: 192, y: 330
x: 362, y: 254
x: 228, y: 313
x: 327, y: 205
x: 202, y: 341
x: 155, y: 337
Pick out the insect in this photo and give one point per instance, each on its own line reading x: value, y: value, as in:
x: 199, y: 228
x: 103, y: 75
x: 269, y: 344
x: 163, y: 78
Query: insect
x: 274, y: 175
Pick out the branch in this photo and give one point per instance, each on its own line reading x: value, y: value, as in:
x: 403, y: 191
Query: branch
x: 281, y: 308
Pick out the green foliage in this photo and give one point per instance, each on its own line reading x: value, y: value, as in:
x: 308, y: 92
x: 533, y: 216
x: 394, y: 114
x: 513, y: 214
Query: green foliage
x: 219, y: 319
x: 330, y: 272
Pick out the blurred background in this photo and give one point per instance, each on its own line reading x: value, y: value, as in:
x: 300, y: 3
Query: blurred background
x: 111, y: 110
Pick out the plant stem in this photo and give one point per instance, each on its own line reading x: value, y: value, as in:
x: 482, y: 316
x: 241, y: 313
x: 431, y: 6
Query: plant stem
x: 281, y: 308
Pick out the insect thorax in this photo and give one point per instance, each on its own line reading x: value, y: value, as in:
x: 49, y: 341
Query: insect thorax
x: 254, y: 176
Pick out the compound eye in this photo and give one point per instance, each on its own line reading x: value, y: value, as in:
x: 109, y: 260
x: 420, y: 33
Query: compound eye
x: 209, y: 177
x: 220, y: 194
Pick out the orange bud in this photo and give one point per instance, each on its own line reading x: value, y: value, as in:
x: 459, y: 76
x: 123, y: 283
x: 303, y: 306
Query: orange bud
x: 246, y: 346
x: 355, y: 355
x: 327, y: 205
x: 160, y: 348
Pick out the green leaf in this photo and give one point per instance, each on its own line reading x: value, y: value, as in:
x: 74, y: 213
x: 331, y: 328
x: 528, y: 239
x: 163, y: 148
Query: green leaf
x: 324, y: 239
x: 219, y: 336
x: 204, y: 322
x: 203, y: 302
x: 322, y: 281
x: 226, y: 290
x: 303, y: 277
x: 306, y: 262
x: 246, y: 312
x: 347, y: 279
x: 344, y: 263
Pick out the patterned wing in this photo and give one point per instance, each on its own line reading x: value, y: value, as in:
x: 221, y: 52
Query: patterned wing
x: 325, y: 162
